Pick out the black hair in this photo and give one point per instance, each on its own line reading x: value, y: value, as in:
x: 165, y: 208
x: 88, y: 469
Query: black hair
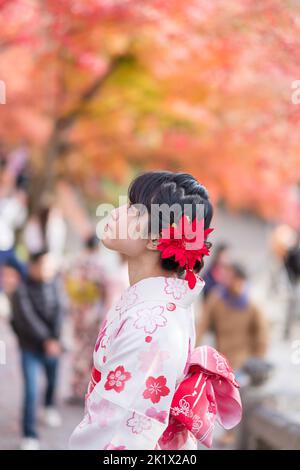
x: 36, y: 256
x: 22, y: 181
x: 92, y: 242
x: 181, y: 189
x: 238, y: 271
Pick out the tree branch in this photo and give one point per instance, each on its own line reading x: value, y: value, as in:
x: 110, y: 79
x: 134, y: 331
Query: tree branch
x: 68, y: 119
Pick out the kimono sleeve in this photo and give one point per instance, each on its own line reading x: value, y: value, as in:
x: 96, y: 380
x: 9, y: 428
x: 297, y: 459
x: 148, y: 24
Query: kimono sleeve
x: 129, y: 407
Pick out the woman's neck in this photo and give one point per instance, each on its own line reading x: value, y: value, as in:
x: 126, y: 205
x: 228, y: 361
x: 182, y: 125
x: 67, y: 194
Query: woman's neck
x: 139, y: 269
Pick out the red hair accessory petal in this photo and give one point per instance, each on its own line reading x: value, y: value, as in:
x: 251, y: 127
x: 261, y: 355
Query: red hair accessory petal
x: 186, y: 242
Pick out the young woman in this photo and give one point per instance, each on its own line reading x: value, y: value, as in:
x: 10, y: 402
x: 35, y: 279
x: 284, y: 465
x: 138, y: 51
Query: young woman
x: 144, y: 348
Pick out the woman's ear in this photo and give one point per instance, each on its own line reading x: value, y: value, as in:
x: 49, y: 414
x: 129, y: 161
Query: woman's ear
x: 152, y: 243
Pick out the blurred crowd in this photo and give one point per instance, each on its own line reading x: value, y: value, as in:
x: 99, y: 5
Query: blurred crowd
x: 43, y: 285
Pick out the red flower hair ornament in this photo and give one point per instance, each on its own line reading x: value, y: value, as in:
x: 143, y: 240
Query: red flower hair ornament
x: 186, y: 242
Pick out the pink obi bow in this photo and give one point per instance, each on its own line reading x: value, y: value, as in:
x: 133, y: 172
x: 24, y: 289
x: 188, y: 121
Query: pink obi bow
x: 208, y: 393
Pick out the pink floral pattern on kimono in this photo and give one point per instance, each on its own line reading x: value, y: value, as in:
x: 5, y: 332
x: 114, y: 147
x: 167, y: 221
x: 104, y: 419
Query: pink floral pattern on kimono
x: 106, y: 335
x: 99, y: 413
x: 140, y: 375
x: 128, y: 299
x: 116, y: 379
x: 146, y: 358
x: 177, y: 288
x: 101, y: 335
x: 139, y: 423
x: 149, y: 319
x: 159, y: 415
x: 156, y: 388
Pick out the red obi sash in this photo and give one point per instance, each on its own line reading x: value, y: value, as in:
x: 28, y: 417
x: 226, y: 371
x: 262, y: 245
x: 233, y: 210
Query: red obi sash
x: 207, y: 394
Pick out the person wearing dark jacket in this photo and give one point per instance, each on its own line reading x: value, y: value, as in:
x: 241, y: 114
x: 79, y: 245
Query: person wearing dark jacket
x: 37, y: 315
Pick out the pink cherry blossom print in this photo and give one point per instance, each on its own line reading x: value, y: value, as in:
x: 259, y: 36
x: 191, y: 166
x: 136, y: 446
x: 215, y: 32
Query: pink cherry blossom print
x: 110, y: 446
x: 99, y: 413
x: 100, y: 335
x: 150, y: 319
x: 102, y: 412
x: 116, y: 379
x: 128, y: 299
x: 107, y: 334
x: 156, y: 388
x: 138, y: 423
x: 160, y: 416
x: 175, y: 287
x: 153, y: 358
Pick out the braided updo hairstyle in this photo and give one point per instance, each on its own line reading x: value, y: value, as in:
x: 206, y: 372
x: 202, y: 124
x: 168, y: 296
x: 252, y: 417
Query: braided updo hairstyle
x: 181, y: 189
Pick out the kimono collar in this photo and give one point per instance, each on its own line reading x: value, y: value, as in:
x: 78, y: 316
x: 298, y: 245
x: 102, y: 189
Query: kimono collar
x: 171, y: 289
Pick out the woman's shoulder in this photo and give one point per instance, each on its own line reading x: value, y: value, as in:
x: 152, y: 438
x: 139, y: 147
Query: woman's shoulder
x: 156, y: 319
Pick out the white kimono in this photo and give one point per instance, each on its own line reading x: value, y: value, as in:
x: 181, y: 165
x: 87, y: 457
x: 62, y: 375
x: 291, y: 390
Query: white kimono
x: 141, y: 355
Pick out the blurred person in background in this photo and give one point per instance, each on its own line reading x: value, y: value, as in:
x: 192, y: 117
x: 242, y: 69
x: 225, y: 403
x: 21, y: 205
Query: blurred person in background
x: 37, y: 316
x: 217, y: 268
x: 90, y: 290
x: 240, y: 328
x: 46, y: 228
x: 11, y: 278
x: 277, y: 284
x: 13, y: 213
x: 291, y: 261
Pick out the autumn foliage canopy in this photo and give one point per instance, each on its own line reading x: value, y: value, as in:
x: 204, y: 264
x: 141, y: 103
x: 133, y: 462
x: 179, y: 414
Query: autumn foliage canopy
x: 103, y: 88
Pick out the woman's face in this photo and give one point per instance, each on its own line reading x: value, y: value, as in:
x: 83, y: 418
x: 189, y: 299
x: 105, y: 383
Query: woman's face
x: 126, y: 230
